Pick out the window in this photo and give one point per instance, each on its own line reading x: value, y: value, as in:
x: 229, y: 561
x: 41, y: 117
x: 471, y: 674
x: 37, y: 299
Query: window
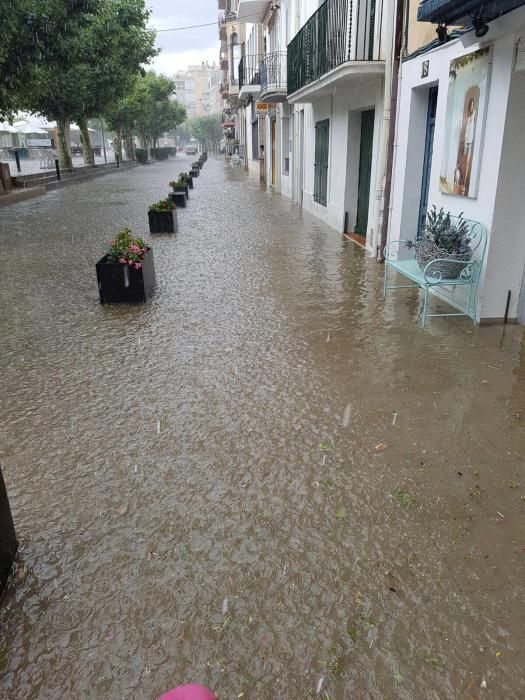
x: 285, y: 131
x: 322, y: 139
x: 255, y: 132
x: 235, y: 57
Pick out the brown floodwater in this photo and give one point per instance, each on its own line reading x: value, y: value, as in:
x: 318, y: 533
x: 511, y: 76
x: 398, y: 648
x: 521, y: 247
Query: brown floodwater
x: 267, y: 479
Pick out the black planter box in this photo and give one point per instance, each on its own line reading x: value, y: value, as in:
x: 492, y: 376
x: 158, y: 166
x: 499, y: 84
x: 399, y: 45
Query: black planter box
x: 119, y: 283
x: 194, y: 172
x: 179, y: 197
x: 8, y: 543
x: 190, y: 182
x: 163, y: 221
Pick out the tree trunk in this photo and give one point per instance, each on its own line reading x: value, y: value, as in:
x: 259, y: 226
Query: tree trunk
x: 130, y: 151
x: 117, y: 145
x: 87, y: 151
x: 64, y: 148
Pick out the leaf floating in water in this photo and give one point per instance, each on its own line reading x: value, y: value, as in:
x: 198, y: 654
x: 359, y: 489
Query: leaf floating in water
x: 347, y: 415
x: 404, y: 497
x: 380, y: 447
x: 340, y: 512
x: 325, y: 447
x: 123, y: 509
x: 320, y: 685
x: 431, y: 661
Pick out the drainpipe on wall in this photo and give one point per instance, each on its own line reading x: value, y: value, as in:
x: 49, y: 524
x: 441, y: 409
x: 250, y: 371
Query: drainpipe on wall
x: 394, y: 88
x: 383, y: 140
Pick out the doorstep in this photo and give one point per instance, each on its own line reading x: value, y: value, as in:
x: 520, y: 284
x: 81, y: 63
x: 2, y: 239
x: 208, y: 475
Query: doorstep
x: 356, y: 238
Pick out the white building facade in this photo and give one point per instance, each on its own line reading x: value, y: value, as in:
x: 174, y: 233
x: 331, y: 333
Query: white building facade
x: 473, y: 162
x: 321, y: 99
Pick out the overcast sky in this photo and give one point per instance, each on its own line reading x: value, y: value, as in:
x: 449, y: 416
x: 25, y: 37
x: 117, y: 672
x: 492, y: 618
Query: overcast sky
x: 190, y: 46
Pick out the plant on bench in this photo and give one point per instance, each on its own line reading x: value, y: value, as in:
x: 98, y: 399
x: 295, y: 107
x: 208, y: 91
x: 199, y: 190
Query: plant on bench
x: 445, y: 238
x: 447, y: 260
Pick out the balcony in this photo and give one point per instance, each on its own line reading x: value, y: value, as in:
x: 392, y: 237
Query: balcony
x: 252, y: 10
x: 273, y: 77
x: 341, y: 42
x: 463, y: 12
x: 249, y: 75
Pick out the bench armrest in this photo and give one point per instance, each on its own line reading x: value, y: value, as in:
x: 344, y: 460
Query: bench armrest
x: 392, y: 249
x: 466, y: 271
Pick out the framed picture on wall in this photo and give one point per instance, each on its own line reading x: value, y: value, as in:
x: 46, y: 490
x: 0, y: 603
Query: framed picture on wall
x: 467, y: 97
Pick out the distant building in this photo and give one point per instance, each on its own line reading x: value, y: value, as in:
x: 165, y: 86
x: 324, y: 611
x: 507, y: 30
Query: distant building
x: 197, y: 89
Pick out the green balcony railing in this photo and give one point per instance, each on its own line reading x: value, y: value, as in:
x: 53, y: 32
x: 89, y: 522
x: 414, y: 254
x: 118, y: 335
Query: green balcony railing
x: 339, y: 31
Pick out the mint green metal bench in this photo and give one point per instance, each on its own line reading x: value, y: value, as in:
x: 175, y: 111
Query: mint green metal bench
x: 461, y: 291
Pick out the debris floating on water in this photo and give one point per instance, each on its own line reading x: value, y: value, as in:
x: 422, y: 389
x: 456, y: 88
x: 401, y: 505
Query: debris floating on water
x: 380, y: 447
x: 225, y: 606
x: 158, y: 427
x: 483, y: 683
x: 324, y: 459
x: 394, y: 418
x: 347, y: 415
x: 328, y: 338
x: 320, y: 685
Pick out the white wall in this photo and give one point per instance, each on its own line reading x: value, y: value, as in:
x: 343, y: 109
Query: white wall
x: 361, y: 96
x: 410, y: 144
x: 506, y: 259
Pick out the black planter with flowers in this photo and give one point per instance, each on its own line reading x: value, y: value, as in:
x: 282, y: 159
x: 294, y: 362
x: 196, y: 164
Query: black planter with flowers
x: 163, y: 217
x: 194, y: 172
x: 178, y: 197
x: 179, y: 193
x: 8, y: 542
x: 126, y: 274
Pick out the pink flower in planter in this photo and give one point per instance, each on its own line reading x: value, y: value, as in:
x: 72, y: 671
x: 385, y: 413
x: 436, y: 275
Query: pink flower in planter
x: 138, y: 266
x: 122, y: 260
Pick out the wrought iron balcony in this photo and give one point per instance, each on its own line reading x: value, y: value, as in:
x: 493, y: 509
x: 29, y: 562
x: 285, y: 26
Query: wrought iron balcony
x: 249, y: 74
x: 273, y: 77
x: 464, y: 11
x: 340, y: 32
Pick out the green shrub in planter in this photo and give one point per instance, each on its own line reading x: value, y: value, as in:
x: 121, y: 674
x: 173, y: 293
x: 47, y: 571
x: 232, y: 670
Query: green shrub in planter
x: 160, y: 153
x: 141, y: 155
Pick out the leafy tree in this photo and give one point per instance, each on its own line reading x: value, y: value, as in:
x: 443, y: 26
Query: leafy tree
x: 29, y: 30
x: 148, y: 110
x: 207, y: 129
x: 156, y: 109
x: 96, y: 57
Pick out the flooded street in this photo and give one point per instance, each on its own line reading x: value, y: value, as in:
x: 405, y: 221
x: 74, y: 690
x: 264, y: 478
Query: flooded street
x: 267, y: 479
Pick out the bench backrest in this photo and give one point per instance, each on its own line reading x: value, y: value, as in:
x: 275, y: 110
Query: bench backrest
x: 478, y: 237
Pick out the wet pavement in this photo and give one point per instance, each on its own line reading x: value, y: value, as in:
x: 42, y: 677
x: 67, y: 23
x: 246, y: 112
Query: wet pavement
x: 267, y: 479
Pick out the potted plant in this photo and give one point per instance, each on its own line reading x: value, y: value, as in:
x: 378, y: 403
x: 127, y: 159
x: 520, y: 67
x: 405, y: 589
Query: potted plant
x: 179, y: 194
x: 197, y: 165
x: 194, y: 171
x: 163, y: 217
x: 126, y: 273
x: 446, y: 238
x: 185, y: 178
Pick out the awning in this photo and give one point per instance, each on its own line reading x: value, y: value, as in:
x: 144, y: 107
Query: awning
x: 253, y: 11
x: 461, y: 12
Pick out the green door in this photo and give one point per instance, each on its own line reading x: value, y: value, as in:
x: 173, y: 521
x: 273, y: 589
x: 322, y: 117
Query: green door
x: 322, y: 141
x: 365, y: 170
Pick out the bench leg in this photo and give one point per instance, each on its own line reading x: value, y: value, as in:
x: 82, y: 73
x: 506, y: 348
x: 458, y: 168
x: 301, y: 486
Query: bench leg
x: 425, y: 307
x: 385, y: 281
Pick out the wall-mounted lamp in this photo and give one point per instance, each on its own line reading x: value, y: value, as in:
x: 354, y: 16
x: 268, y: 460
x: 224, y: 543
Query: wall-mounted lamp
x: 480, y: 26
